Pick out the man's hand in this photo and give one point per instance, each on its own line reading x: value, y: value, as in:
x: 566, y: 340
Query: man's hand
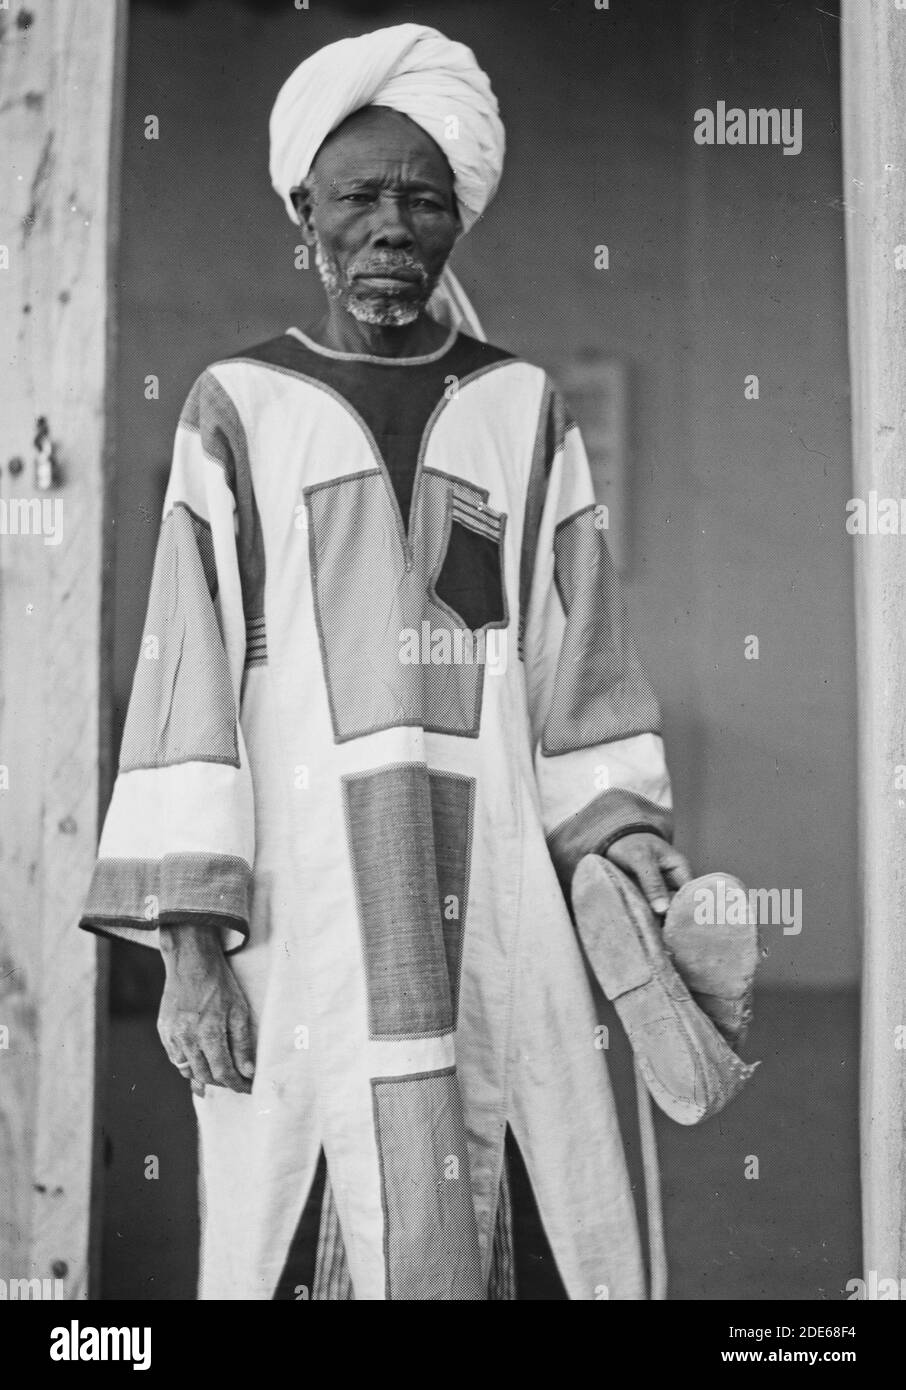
x: 658, y: 868
x: 204, y: 1021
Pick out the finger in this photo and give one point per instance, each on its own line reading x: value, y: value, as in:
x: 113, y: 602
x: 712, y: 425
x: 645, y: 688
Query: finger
x: 176, y: 1053
x: 201, y: 1072
x: 220, y: 1063
x: 655, y: 890
x: 168, y: 1043
x: 675, y: 868
x: 241, y: 1042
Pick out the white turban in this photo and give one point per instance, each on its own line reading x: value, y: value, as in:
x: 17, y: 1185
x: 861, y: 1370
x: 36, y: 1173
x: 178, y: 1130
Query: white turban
x: 413, y: 69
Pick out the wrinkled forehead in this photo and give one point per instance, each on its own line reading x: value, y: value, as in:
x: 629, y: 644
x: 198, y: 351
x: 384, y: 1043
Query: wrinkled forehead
x: 375, y: 141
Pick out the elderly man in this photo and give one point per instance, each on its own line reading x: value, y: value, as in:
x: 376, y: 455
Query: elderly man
x: 385, y: 702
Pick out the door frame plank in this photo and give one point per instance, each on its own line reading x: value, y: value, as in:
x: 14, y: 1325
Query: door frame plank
x: 62, y: 73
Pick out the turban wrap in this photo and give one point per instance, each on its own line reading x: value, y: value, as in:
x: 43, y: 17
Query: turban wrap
x: 415, y: 70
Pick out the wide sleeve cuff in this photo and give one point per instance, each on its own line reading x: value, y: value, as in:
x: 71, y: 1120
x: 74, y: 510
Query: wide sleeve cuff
x: 599, y: 824
x: 132, y: 898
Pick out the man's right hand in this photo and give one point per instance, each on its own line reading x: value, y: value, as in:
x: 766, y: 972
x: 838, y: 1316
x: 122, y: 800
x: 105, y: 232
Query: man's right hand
x: 204, y: 1021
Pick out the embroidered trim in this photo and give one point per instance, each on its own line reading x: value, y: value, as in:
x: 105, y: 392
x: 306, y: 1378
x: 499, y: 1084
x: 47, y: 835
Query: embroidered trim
x: 373, y: 357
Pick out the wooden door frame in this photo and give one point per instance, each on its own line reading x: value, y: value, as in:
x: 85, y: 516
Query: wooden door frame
x: 62, y: 70
x: 873, y: 40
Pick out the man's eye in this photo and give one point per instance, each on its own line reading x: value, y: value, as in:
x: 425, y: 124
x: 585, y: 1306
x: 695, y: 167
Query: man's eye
x: 427, y: 203
x: 356, y: 198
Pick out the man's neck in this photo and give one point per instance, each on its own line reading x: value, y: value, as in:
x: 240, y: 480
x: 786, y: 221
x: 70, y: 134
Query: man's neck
x: 339, y: 331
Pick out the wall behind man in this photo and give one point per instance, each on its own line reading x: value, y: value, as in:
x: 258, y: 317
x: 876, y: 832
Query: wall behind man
x: 724, y: 262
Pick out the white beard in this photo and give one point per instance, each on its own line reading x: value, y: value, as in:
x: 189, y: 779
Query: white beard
x: 384, y: 311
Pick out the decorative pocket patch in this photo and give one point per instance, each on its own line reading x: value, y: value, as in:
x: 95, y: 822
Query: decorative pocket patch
x: 469, y: 582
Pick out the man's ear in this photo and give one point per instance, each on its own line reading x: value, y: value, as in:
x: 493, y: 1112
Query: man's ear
x: 302, y: 202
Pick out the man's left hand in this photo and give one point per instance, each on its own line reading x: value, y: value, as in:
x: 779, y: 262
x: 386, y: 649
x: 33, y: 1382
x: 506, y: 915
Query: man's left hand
x: 658, y: 869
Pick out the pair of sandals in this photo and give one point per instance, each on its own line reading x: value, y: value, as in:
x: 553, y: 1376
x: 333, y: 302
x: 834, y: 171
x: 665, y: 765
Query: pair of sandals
x: 683, y: 993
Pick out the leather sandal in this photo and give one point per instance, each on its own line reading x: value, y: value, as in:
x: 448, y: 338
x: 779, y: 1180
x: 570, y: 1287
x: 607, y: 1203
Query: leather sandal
x: 717, y: 958
x: 687, y: 1066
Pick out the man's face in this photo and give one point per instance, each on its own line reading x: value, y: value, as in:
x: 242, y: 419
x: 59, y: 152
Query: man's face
x: 379, y: 208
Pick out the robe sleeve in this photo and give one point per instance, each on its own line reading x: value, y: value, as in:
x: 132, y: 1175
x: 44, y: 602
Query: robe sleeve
x: 178, y: 840
x: 598, y: 754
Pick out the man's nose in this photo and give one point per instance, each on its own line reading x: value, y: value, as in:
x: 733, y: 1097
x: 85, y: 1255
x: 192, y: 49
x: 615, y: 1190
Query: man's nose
x: 391, y: 226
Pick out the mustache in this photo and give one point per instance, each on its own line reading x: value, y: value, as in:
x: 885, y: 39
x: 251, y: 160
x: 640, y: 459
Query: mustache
x: 386, y: 262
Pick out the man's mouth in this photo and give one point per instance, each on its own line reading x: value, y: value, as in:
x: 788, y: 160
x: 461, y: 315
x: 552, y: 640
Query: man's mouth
x: 387, y: 279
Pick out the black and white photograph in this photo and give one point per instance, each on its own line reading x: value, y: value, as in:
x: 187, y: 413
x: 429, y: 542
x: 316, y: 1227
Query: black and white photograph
x: 453, y: 664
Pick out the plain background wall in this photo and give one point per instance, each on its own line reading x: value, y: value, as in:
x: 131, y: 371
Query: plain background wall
x: 723, y: 262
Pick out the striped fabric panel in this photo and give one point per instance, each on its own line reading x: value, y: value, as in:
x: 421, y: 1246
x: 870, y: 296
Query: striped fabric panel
x: 255, y: 642
x: 470, y: 511
x: 390, y: 825
x: 211, y: 413
x: 131, y: 898
x: 332, y: 1282
x: 548, y: 439
x: 181, y: 709
x: 600, y: 693
x: 430, y: 1232
x: 452, y: 810
x: 502, y: 1281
